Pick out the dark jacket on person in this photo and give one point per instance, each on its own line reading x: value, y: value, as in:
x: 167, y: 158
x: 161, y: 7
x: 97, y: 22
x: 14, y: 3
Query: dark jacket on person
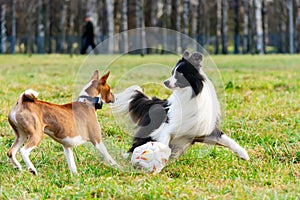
x: 88, y: 33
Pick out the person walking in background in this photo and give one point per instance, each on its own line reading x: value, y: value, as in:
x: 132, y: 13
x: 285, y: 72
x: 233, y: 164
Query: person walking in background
x: 87, y: 38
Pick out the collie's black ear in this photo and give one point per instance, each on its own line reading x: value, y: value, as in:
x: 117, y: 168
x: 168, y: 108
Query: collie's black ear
x: 196, y: 59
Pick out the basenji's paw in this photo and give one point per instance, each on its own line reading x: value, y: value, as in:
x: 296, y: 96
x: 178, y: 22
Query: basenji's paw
x: 114, y: 164
x: 33, y: 171
x: 117, y: 166
x: 18, y: 168
x: 74, y: 172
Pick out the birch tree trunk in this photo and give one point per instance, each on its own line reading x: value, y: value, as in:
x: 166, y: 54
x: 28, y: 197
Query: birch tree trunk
x: 167, y: 13
x: 291, y: 26
x: 259, y: 30
x: 185, y: 20
x: 62, y: 29
x: 13, y: 27
x: 236, y: 27
x: 279, y: 34
x: 154, y: 13
x: 297, y: 27
x: 123, y: 44
x: 281, y: 12
x: 218, y: 26
x: 143, y: 33
x: 70, y: 28
x: 208, y: 23
x: 246, y: 27
x: 201, y: 21
x: 252, y: 26
x: 224, y: 29
x: 140, y: 23
x: 166, y: 22
x: 264, y: 24
x: 3, y: 30
x: 177, y: 28
x: 102, y: 20
x: 48, y: 42
x: 194, y: 22
x: 79, y: 25
x: 110, y: 25
x: 29, y: 26
x: 40, y: 29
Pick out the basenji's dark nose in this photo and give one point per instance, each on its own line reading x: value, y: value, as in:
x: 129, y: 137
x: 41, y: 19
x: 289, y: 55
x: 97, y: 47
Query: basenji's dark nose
x: 167, y: 83
x: 112, y: 100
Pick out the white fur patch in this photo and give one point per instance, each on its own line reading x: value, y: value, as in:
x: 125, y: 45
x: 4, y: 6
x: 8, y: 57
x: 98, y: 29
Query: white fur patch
x: 67, y: 141
x: 196, y: 116
x: 172, y: 79
x: 30, y: 92
x: 13, y: 116
x: 74, y: 141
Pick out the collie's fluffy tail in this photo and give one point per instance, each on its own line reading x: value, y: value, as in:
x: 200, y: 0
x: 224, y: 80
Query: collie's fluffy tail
x: 142, y: 109
x: 123, y: 99
x: 30, y: 94
x: 147, y: 113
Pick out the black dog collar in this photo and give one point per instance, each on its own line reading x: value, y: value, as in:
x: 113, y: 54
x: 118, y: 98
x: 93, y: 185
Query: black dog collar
x: 96, y: 101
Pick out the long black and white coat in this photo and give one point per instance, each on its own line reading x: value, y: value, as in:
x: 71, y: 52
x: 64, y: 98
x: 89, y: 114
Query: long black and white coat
x: 191, y: 114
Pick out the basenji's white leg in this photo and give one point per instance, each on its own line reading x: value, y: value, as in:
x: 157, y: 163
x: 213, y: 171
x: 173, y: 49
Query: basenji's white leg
x: 70, y: 159
x: 226, y: 141
x: 34, y: 138
x: 25, y: 151
x: 102, y: 149
x: 19, y: 141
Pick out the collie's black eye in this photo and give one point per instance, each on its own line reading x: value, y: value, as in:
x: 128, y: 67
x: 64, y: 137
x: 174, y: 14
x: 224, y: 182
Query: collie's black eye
x: 178, y: 74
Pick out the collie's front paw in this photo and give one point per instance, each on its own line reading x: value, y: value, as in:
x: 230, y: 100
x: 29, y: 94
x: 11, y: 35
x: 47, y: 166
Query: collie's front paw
x: 126, y: 155
x: 242, y: 153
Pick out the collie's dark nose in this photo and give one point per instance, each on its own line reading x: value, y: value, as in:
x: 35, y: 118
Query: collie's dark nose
x: 167, y: 83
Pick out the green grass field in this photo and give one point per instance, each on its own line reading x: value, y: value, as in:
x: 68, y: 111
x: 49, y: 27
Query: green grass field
x: 262, y: 114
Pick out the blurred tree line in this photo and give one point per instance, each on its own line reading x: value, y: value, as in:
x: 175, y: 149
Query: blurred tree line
x: 221, y: 26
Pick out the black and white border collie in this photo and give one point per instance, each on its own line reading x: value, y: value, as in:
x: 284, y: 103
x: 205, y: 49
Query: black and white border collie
x: 191, y: 114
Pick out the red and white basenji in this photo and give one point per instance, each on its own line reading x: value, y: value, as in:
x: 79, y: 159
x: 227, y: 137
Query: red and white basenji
x: 70, y: 124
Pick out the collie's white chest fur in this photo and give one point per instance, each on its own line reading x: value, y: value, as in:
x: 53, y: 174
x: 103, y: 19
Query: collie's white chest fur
x: 193, y: 115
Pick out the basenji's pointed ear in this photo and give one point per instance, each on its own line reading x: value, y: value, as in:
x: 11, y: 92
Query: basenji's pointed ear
x: 104, y: 78
x: 95, y: 75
